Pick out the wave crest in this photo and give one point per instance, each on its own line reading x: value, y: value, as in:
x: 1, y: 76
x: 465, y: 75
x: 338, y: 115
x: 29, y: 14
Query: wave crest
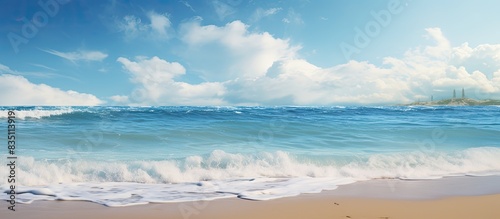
x: 220, y: 165
x: 38, y: 113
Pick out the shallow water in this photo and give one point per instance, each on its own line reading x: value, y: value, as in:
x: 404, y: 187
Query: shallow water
x: 120, y: 156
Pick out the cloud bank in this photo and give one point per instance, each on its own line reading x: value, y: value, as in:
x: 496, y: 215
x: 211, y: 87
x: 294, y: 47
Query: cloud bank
x: 251, y: 68
x: 242, y: 67
x: 155, y: 82
x: 18, y: 91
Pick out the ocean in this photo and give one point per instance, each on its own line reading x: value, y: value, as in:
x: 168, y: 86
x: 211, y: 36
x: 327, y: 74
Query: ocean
x: 121, y: 156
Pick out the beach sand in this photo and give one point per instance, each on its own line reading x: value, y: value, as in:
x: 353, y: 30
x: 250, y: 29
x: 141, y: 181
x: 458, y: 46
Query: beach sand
x: 375, y: 199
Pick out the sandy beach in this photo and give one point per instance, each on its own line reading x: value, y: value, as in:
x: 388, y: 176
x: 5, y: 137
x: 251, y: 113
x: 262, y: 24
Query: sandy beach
x: 307, y: 206
x: 243, y: 109
x: 376, y: 199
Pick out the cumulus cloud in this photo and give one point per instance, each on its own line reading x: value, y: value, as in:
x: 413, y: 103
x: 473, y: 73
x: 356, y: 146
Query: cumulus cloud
x: 18, y: 91
x: 302, y: 83
x: 484, y: 58
x: 256, y: 68
x: 442, y: 47
x: 246, y: 54
x: 159, y: 26
x: 155, y: 82
x: 79, y: 55
x: 420, y: 73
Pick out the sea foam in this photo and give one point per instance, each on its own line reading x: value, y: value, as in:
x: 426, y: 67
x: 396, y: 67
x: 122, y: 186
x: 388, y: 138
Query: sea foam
x: 37, y: 113
x: 262, y: 176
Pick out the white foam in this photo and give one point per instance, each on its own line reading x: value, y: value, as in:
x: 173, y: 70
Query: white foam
x: 127, y: 194
x: 220, y: 175
x: 38, y: 113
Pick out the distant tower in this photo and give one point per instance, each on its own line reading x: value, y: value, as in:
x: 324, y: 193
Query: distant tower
x: 454, y: 94
x: 463, y: 93
x: 432, y: 98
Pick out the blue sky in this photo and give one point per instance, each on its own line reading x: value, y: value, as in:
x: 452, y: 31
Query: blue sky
x: 238, y: 52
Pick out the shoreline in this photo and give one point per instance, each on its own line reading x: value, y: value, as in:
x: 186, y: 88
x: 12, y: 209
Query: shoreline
x: 299, y: 207
x: 450, y: 197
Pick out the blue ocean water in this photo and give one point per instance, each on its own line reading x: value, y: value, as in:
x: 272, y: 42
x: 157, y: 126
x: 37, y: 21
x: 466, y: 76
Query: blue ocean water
x: 120, y: 156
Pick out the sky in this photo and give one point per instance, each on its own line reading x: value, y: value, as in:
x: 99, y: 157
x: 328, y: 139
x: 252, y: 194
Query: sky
x: 247, y: 52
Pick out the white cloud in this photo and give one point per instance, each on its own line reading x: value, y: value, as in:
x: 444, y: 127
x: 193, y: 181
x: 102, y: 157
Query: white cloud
x: 159, y: 23
x: 485, y: 58
x: 131, y: 26
x: 258, y: 68
x: 156, y: 85
x: 79, y: 55
x: 302, y: 83
x: 6, y: 69
x: 222, y: 9
x: 271, y: 11
x: 159, y: 26
x: 121, y: 99
x: 293, y: 18
x: 154, y: 70
x: 443, y: 47
x: 245, y: 54
x: 261, y: 13
x: 185, y: 3
x: 250, y: 78
x: 18, y: 91
x: 43, y: 66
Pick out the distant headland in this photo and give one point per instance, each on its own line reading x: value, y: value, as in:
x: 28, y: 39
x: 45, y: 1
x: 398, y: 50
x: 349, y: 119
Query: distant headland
x: 454, y: 101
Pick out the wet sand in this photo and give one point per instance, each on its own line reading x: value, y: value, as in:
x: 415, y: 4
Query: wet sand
x: 462, y: 197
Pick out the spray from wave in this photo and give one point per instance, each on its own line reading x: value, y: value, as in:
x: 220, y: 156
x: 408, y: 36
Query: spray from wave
x: 220, y: 175
x: 220, y: 165
x: 38, y: 113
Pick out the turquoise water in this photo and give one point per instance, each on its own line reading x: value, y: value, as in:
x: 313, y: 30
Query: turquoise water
x: 138, y: 155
